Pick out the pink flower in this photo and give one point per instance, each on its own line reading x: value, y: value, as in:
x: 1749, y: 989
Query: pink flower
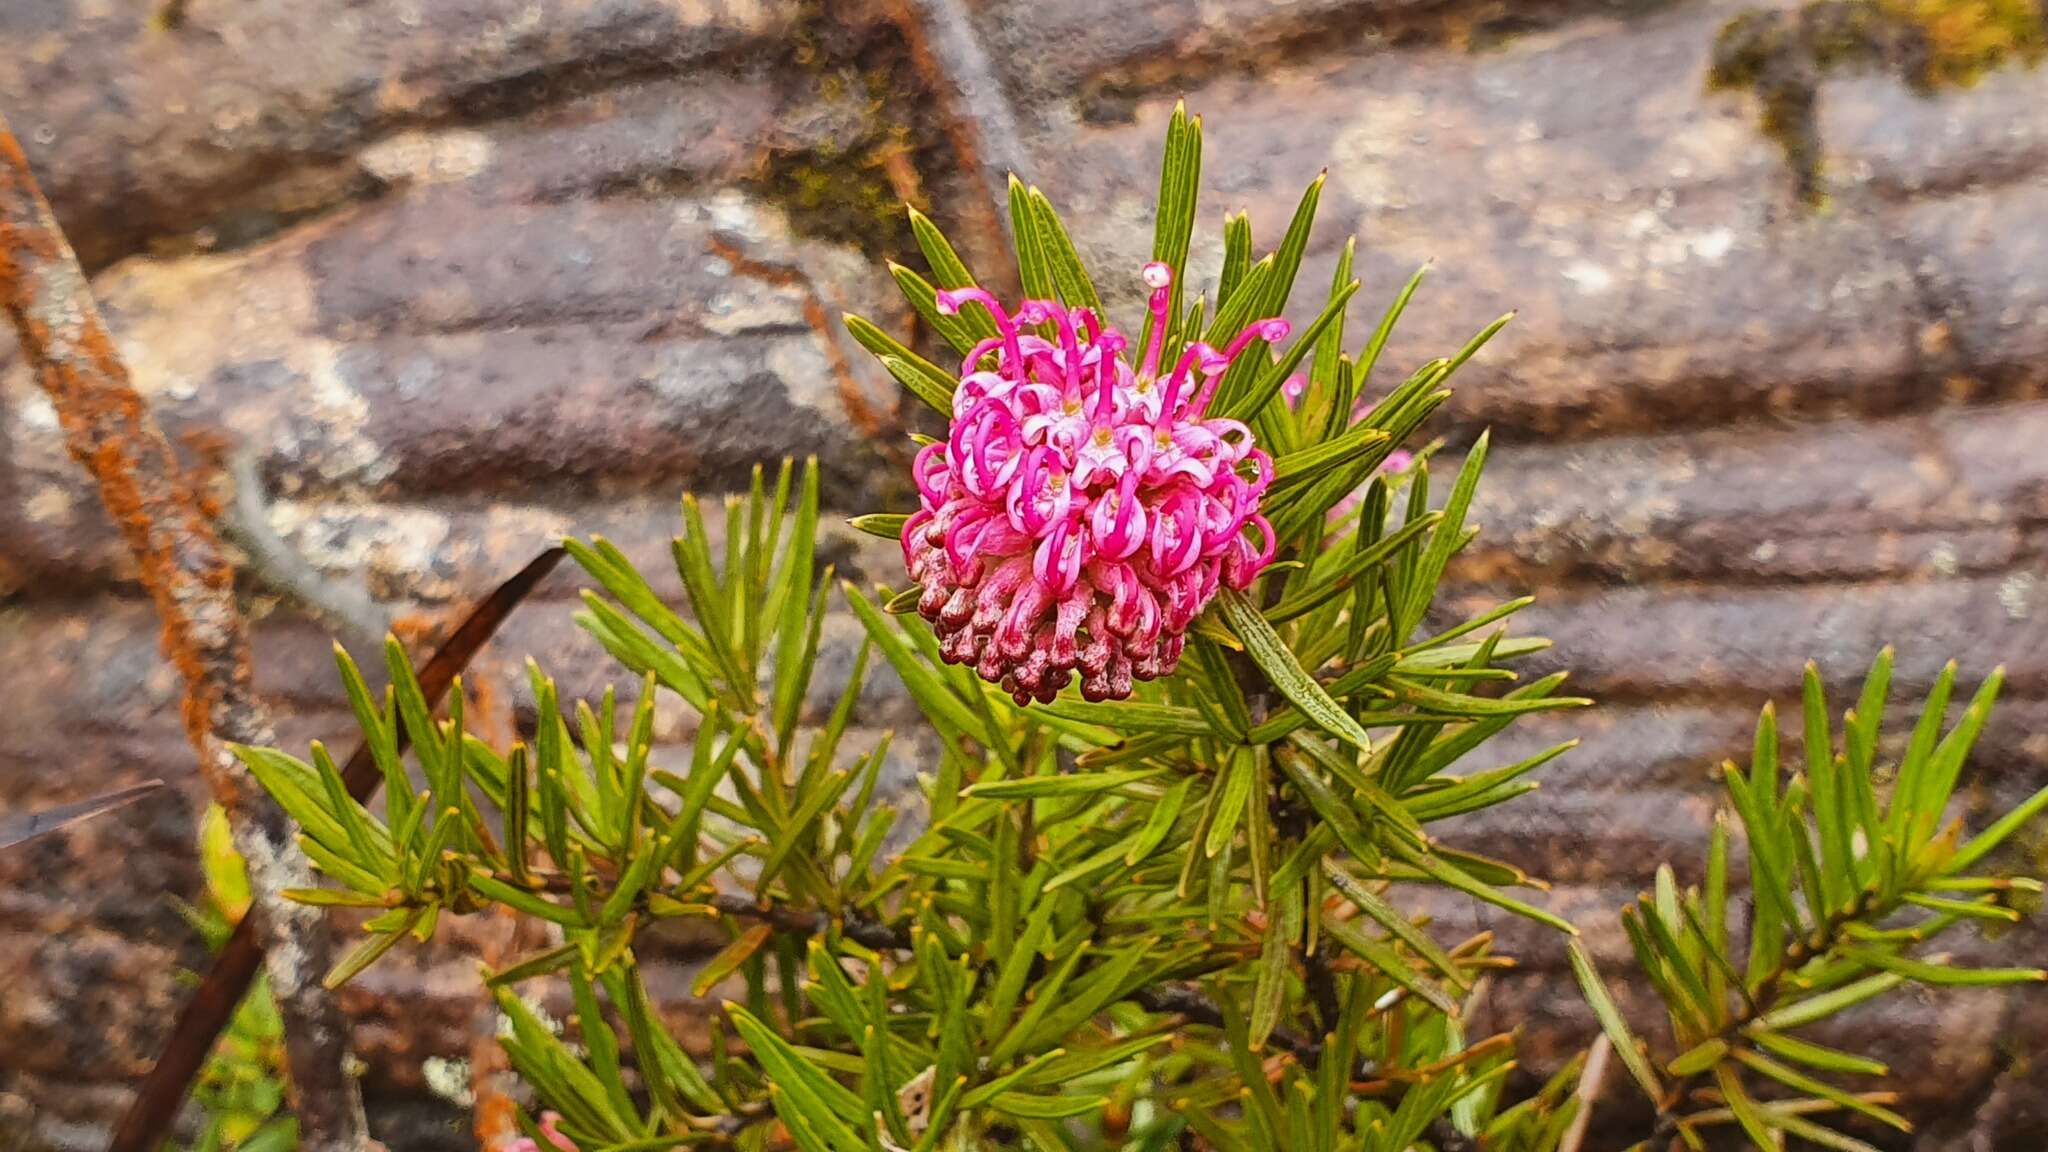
x: 557, y: 1141
x: 1081, y: 512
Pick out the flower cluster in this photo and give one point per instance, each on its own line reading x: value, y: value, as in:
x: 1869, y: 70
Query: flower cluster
x: 1081, y: 511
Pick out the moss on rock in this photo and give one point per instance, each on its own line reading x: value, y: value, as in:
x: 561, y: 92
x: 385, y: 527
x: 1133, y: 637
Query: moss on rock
x: 1782, y: 55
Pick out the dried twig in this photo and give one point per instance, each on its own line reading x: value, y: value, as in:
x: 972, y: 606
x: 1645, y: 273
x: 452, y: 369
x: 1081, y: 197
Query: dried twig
x: 1591, y: 1079
x: 156, y: 1101
x: 21, y: 827
x: 879, y: 426
x: 980, y: 122
x: 109, y: 429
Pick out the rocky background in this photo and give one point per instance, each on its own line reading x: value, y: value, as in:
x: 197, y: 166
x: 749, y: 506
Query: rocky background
x: 459, y: 275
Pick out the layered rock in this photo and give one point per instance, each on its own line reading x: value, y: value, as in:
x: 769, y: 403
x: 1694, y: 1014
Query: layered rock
x: 464, y: 276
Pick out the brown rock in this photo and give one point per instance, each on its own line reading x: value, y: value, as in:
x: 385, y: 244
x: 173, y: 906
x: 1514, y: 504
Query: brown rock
x: 1638, y: 224
x: 248, y: 116
x: 470, y: 275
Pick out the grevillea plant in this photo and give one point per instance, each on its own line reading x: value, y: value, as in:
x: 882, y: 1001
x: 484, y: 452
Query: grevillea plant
x: 1200, y: 739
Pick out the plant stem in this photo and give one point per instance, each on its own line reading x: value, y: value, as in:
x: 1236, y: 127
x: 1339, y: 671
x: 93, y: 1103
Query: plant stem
x: 110, y: 431
x: 150, y: 1115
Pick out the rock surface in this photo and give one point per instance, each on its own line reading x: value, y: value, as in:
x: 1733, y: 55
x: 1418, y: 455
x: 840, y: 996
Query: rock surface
x: 467, y: 275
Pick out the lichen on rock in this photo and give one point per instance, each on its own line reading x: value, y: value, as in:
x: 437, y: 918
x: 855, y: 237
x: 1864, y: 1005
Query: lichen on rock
x: 1783, y: 55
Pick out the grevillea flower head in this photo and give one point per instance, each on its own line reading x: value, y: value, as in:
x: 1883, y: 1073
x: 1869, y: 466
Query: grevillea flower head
x: 1082, y: 510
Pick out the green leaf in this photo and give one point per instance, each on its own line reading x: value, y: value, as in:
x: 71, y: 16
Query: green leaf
x: 1913, y: 766
x: 1064, y: 784
x: 638, y: 651
x: 1444, y: 542
x: 380, y: 734
x: 1816, y: 1055
x: 1180, y: 179
x: 1481, y: 790
x: 1363, y: 786
x: 1945, y: 975
x: 1076, y: 290
x: 887, y: 525
x: 368, y: 952
x: 729, y: 958
x: 296, y: 788
x: 1398, y: 925
x: 1255, y: 397
x: 1820, y: 1089
x: 1293, y: 246
x: 1945, y: 766
x: 1465, y: 705
x: 1827, y: 1003
x: 1982, y: 908
x: 1277, y: 661
x: 2001, y: 829
x: 1438, y: 866
x: 1387, y: 960
x: 1825, y: 1137
x: 1275, y: 969
x: 1699, y: 1058
x: 1237, y: 254
x: 522, y: 901
x: 1336, y: 814
x: 1340, y: 576
x: 1030, y: 1107
x: 1130, y: 716
x: 1754, y: 1121
x: 1073, y: 1065
x: 1034, y: 270
x: 963, y: 329
x: 1378, y: 343
x: 948, y: 270
x: 332, y: 898
x: 1218, y: 695
x: 539, y: 964
x: 924, y: 683
x: 1235, y: 786
x: 1326, y: 407
x: 805, y: 1094
x: 1044, y: 997
x: 1312, y: 461
x: 797, y: 831
x: 1161, y: 820
x: 926, y: 380
x: 1611, y: 1021
x: 930, y: 385
x: 1239, y: 306
x: 1831, y: 813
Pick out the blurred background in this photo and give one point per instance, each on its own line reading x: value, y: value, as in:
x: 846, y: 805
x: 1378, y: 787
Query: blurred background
x: 424, y: 283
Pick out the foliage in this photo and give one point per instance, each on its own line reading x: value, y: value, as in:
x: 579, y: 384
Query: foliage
x: 1188, y: 919
x: 1849, y: 886
x: 240, y: 1092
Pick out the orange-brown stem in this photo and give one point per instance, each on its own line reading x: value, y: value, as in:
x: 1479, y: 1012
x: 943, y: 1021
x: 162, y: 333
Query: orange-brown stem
x: 109, y: 430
